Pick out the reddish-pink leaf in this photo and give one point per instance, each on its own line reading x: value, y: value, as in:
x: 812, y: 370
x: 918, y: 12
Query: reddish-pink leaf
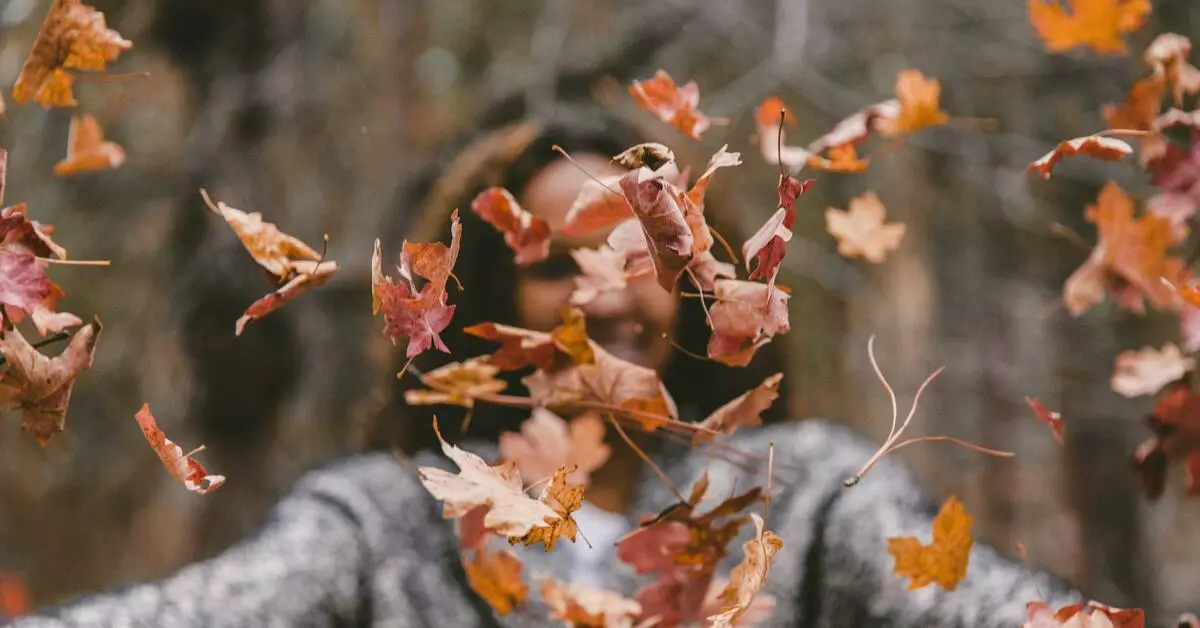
x: 745, y: 317
x: 546, y: 443
x: 1052, y: 419
x: 653, y: 548
x: 768, y: 246
x: 182, y: 466
x: 407, y: 313
x: 23, y: 281
x: 658, y: 210
x: 527, y: 235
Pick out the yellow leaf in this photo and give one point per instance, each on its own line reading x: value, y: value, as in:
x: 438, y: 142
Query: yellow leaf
x: 919, y: 98
x: 571, y: 337
x: 564, y: 500
x: 457, y: 383
x: 1098, y: 24
x: 943, y: 561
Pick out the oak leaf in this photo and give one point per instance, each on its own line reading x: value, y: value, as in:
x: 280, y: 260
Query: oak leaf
x: 421, y: 315
x: 74, y: 36
x: 527, y: 235
x: 943, y: 561
x: 860, y: 232
x: 87, y: 150
x: 564, y: 499
x: 496, y: 577
x: 546, y: 442
x: 749, y: 577
x: 183, y: 467
x: 583, y: 606
x: 1052, y: 419
x: 919, y: 105
x: 746, y: 316
x: 457, y: 383
x: 1147, y: 370
x: 746, y: 410
x: 675, y: 105
x: 1098, y: 24
x: 40, y: 386
x: 1107, y: 148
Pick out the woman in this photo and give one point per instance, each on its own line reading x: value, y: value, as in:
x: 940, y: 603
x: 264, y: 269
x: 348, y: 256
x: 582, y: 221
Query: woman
x: 362, y: 543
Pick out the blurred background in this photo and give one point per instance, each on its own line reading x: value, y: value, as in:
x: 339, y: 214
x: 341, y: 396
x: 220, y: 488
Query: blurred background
x: 317, y: 113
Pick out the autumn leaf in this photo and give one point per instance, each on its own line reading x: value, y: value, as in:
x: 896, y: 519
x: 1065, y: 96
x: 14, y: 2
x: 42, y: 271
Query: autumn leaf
x: 1175, y: 422
x: 519, y: 348
x: 1098, y: 24
x: 546, y: 442
x: 943, y: 561
x: 527, y: 235
x: 496, y: 577
x: 87, y: 150
x: 183, y: 467
x: 40, y: 386
x: 1168, y: 56
x: 419, y: 316
x: 772, y: 139
x: 749, y: 577
x: 510, y: 511
x: 1052, y: 419
x: 675, y: 105
x: 306, y: 275
x: 600, y: 270
x: 746, y: 410
x: 1146, y: 371
x: 761, y: 607
x: 457, y: 383
x: 25, y: 288
x: 707, y: 269
x: 564, y: 499
x: 919, y: 108
x: 24, y: 284
x: 599, y: 205
x: 1106, y: 148
x: 571, y: 337
x: 860, y: 232
x: 652, y: 156
x: 1140, y: 107
x: 842, y: 158
x: 746, y: 316
x: 583, y: 606
x: 767, y: 247
x: 1090, y: 615
x: 661, y: 216
x: 74, y: 36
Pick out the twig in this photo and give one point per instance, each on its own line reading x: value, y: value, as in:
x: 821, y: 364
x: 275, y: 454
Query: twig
x: 662, y: 475
x: 770, y: 472
x: 680, y: 348
x: 999, y: 453
x: 74, y: 262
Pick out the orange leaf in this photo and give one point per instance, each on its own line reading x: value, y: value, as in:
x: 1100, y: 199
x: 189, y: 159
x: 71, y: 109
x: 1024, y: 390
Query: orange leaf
x: 1106, y: 148
x: 751, y: 574
x: 1098, y: 24
x: 1052, y: 419
x: 73, y: 36
x: 842, y: 158
x: 1140, y: 107
x: 564, y: 499
x: 583, y: 606
x: 87, y: 150
x: 919, y: 106
x: 421, y: 315
x: 675, y: 105
x: 860, y: 232
x: 182, y: 466
x: 745, y: 410
x: 943, y: 561
x: 546, y: 442
x: 527, y: 235
x: 457, y: 383
x: 496, y: 577
x: 40, y: 386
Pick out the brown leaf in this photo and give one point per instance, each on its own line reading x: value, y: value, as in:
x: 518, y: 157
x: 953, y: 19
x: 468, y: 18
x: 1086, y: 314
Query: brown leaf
x: 583, y: 606
x: 307, y: 275
x: 749, y: 577
x: 457, y: 383
x: 73, y: 36
x: 660, y: 214
x: 1146, y: 371
x: 1100, y: 147
x: 943, y: 561
x: 40, y: 386
x: 527, y: 235
x: 650, y: 155
x: 496, y: 577
x: 564, y: 499
x: 860, y: 232
x: 519, y: 347
x: 745, y: 410
x: 546, y: 443
x: 182, y: 466
x: 675, y: 105
x: 87, y: 150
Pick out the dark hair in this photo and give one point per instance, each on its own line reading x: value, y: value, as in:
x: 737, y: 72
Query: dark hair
x: 489, y: 275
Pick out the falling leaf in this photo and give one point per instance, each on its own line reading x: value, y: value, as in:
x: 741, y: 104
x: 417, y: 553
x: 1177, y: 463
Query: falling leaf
x: 842, y: 158
x: 24, y: 284
x: 772, y: 139
x: 761, y: 607
x: 662, y: 220
x: 510, y: 511
x: 571, y: 337
x: 599, y: 205
x: 860, y: 232
x: 1140, y: 107
x: 675, y: 105
x: 1100, y: 147
x: 74, y: 36
x: 943, y: 561
x: 767, y: 247
x: 1146, y: 371
x: 1098, y: 24
x: 419, y: 316
x: 457, y: 383
x: 707, y: 269
x: 519, y: 347
x: 564, y: 499
x: 40, y: 386
x: 289, y: 261
x: 25, y: 288
x: 527, y: 235
x: 745, y: 410
x: 1168, y: 56
x: 87, y: 150
x: 183, y: 467
x: 546, y: 443
x: 919, y: 108
x: 1175, y: 422
x: 653, y: 156
x: 583, y: 606
x: 1052, y: 419
x: 749, y: 577
x: 745, y: 317
x: 600, y: 270
x: 496, y: 577
x: 1090, y: 615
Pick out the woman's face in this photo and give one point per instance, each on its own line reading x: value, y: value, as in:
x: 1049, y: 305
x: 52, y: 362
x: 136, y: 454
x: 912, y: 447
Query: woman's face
x: 628, y: 323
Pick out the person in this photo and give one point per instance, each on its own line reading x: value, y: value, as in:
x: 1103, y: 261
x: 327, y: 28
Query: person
x: 361, y: 543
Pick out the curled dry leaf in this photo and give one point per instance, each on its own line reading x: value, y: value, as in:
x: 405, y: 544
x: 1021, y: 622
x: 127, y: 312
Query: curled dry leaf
x: 767, y: 247
x: 919, y: 98
x: 1147, y: 370
x: 40, y: 386
x: 746, y: 316
x: 761, y: 607
x: 745, y: 410
x: 183, y: 467
x: 546, y: 443
x: 675, y: 105
x: 419, y: 316
x: 1052, y: 419
x: 583, y: 606
x: 527, y: 235
x: 496, y: 577
x: 87, y: 150
x: 74, y: 36
x: 564, y: 499
x: 519, y: 347
x: 1107, y: 148
x: 749, y: 577
x: 306, y: 275
x: 1090, y: 615
x: 860, y: 232
x: 457, y: 383
x: 943, y: 561
x: 1098, y: 24
x: 25, y: 288
x: 661, y: 216
x: 650, y: 155
x: 510, y: 511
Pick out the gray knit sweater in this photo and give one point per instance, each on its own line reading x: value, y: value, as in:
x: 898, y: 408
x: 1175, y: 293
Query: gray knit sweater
x: 361, y: 543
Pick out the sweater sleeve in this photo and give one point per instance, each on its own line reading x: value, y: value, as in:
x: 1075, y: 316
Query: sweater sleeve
x: 311, y: 565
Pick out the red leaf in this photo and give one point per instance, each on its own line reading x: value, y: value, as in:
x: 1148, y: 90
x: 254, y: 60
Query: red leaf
x: 1107, y: 148
x: 668, y: 236
x: 1052, y: 419
x: 527, y: 235
x: 768, y: 246
x: 182, y: 466
x: 597, y: 206
x: 675, y: 105
x: 418, y: 316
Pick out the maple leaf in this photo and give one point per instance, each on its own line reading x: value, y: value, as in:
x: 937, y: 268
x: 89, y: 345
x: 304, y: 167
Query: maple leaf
x: 675, y: 105
x: 1168, y: 56
x: 407, y: 313
x: 919, y: 108
x: 1052, y: 419
x: 510, y: 511
x: 73, y: 36
x: 1175, y: 422
x: 519, y: 347
x: 457, y: 383
x: 751, y: 574
x: 943, y: 561
x: 1106, y: 148
x: 745, y: 317
x: 860, y: 232
x: 564, y: 499
x: 767, y: 247
x: 1146, y: 371
x: 496, y: 577
x: 546, y: 443
x: 583, y: 606
x: 1098, y: 24
x: 1090, y: 615
x: 1140, y: 107
x: 601, y: 270
x: 527, y: 235
x: 183, y: 467
x: 661, y: 216
x: 40, y: 386
x: 746, y: 410
x: 597, y: 206
x: 87, y: 150
x: 842, y: 158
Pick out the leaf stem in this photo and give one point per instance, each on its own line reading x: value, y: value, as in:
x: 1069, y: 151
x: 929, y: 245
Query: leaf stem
x: 62, y: 335
x: 74, y: 262
x: 662, y: 475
